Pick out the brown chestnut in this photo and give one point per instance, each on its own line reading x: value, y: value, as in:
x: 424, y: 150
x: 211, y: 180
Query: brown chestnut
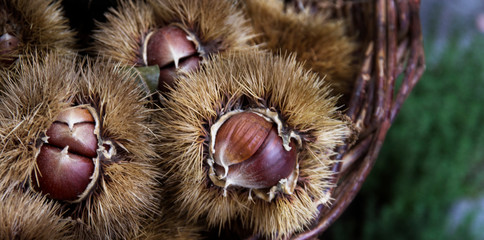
x: 74, y: 128
x: 171, y: 49
x: 248, y: 152
x: 8, y: 48
x: 63, y: 175
x: 65, y: 161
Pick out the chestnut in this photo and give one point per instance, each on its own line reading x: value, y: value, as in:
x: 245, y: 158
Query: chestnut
x: 176, y: 36
x: 63, y: 175
x: 249, y: 151
x: 171, y: 49
x: 80, y: 138
x: 8, y: 48
x: 66, y: 165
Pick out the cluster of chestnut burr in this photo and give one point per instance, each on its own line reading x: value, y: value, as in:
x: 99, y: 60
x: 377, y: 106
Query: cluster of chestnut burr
x: 181, y: 119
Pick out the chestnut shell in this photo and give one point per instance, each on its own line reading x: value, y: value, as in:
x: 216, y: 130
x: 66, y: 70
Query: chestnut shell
x: 251, y: 152
x: 65, y: 159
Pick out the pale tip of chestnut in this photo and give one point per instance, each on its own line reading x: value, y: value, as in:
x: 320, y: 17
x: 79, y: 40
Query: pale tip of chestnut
x: 72, y: 116
x: 248, y: 150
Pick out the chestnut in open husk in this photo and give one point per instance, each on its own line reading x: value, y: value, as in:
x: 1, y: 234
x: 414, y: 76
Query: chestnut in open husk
x: 32, y: 26
x: 8, y: 48
x: 173, y: 35
x: 83, y: 140
x: 252, y: 144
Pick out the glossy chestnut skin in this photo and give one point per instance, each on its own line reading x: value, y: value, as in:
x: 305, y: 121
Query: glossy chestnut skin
x: 64, y: 176
x: 8, y: 48
x: 65, y: 161
x: 170, y: 48
x: 250, y: 153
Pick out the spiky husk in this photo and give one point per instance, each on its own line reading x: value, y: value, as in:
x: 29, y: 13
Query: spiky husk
x: 126, y: 195
x: 218, y: 25
x: 320, y: 42
x: 250, y: 80
x: 171, y: 226
x: 30, y: 216
x: 31, y: 99
x: 39, y: 24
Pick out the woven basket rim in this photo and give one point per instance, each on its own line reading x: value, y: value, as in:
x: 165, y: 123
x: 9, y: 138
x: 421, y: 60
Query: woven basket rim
x: 393, y: 49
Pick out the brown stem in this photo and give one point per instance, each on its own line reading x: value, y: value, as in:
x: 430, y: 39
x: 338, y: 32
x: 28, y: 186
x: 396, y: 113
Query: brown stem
x: 381, y: 58
x: 361, y: 83
x: 354, y: 154
x: 415, y: 65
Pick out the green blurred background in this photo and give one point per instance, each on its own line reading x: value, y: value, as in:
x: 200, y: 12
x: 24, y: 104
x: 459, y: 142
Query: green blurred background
x: 427, y: 181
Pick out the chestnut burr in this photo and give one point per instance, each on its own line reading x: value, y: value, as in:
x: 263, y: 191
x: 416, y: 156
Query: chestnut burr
x: 27, y: 215
x: 322, y: 43
x: 175, y: 36
x: 35, y: 26
x: 84, y: 141
x: 252, y: 144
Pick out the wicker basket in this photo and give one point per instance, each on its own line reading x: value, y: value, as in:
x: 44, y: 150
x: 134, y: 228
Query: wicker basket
x: 392, y: 63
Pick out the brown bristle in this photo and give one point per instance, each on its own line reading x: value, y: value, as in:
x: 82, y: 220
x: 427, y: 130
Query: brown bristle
x: 241, y: 81
x: 320, y: 42
x: 125, y: 196
x: 171, y: 226
x: 31, y: 99
x: 37, y: 25
x: 211, y: 26
x: 30, y: 216
x: 216, y: 26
